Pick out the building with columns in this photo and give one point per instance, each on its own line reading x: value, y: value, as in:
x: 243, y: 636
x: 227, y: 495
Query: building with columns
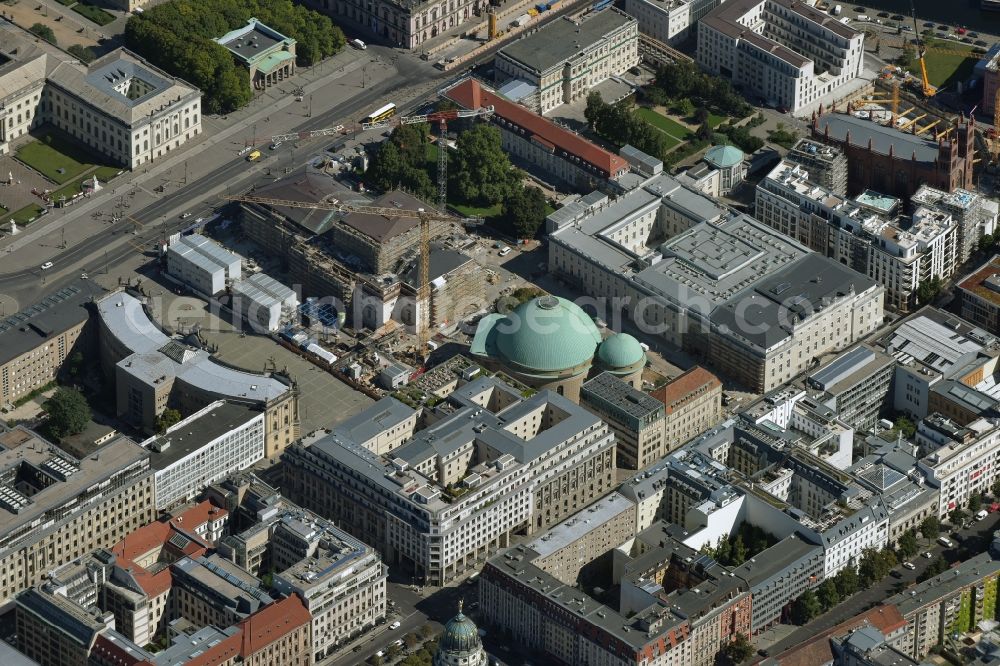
x: 405, y: 23
x: 266, y: 53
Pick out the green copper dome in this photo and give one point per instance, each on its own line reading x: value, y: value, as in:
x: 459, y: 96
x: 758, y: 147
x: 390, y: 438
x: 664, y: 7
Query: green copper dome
x: 724, y: 157
x: 544, y: 334
x: 460, y: 635
x: 620, y: 350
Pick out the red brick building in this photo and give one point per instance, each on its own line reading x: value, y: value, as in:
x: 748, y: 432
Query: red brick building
x: 895, y: 162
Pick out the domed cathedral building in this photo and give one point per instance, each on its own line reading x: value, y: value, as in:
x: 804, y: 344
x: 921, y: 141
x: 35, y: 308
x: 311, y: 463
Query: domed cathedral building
x: 459, y: 645
x: 551, y: 343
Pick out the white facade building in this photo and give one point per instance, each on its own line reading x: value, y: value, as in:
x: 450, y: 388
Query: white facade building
x: 119, y: 105
x: 669, y: 21
x: 854, y: 234
x: 339, y: 579
x: 491, y: 463
x: 714, y: 282
x: 963, y: 461
x: 566, y: 58
x: 784, y: 51
x: 212, y: 443
x: 202, y: 264
x: 263, y: 302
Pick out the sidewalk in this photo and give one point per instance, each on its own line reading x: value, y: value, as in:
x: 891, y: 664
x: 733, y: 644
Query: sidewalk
x: 274, y: 100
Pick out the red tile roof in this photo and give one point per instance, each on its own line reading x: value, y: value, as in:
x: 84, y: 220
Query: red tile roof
x: 271, y: 623
x: 198, y: 515
x: 149, y: 537
x: 684, y: 385
x: 219, y: 653
x: 886, y: 619
x: 974, y: 283
x: 471, y: 95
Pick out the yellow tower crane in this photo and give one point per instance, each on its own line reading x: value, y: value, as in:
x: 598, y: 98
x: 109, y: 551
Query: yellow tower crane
x: 423, y: 305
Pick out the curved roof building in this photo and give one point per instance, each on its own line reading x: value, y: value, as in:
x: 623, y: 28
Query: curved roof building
x: 459, y: 645
x: 551, y: 343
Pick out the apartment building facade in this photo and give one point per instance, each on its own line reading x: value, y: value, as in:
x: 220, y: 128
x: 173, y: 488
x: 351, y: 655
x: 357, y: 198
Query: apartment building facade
x: 693, y: 404
x: 784, y: 51
x: 979, y: 294
x: 635, y: 417
x: 71, y: 507
x: 962, y: 460
x: 852, y: 232
x: 669, y: 21
x: 564, y: 59
x: 36, y: 341
x: 482, y: 469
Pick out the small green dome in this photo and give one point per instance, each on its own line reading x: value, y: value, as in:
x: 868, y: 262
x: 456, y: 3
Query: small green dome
x: 547, y: 334
x: 460, y: 635
x: 724, y: 157
x: 620, y: 350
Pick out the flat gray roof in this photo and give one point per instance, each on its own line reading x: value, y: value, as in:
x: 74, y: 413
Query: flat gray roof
x: 383, y: 415
x: 613, y: 391
x: 195, y: 432
x: 56, y: 313
x: 904, y: 145
x: 764, y: 315
x: 553, y: 44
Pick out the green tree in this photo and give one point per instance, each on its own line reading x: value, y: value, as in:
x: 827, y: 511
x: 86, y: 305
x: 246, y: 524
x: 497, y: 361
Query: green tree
x: 995, y: 489
x: 930, y: 527
x: 975, y: 502
x: 700, y: 115
x: 957, y: 516
x: 168, y: 418
x: 806, y: 607
x: 704, y: 132
x: 928, y: 290
x: 411, y: 640
x: 985, y: 243
x: 393, y: 650
x: 827, y: 594
x: 908, y: 545
x: 74, y: 365
x: 482, y: 173
x: 43, y: 31
x: 445, y: 104
x: 595, y: 109
x: 84, y: 54
x: 426, y: 631
x: 935, y: 568
x: 739, y: 552
x: 386, y: 166
x: 685, y: 108
x: 847, y: 581
x: 179, y: 36
x: 68, y: 412
x: 738, y: 650
x: 525, y: 209
x: 375, y: 660
x: 724, y: 550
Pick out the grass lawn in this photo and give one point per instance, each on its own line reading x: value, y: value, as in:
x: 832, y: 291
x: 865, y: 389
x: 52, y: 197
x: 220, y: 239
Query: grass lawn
x: 68, y: 191
x: 714, y: 120
x: 48, y: 158
x: 661, y: 122
x: 106, y: 173
x: 22, y: 216
x: 95, y: 14
x: 473, y: 211
x: 949, y: 68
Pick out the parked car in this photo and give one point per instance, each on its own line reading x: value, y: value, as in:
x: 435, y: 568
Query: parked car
x: 928, y: 554
x: 974, y: 35
x: 909, y: 565
x: 898, y: 17
x: 980, y: 42
x: 504, y: 251
x: 395, y: 625
x: 946, y: 542
x: 883, y: 14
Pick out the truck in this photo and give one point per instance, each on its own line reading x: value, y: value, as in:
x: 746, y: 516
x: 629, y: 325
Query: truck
x: 837, y: 9
x: 253, y: 156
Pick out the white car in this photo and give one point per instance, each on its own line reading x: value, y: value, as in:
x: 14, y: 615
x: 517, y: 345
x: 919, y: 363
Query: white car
x: 47, y: 265
x: 185, y: 216
x: 505, y: 251
x: 394, y: 625
x: 909, y: 565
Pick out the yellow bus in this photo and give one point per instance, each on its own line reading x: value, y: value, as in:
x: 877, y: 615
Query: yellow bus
x: 381, y: 113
